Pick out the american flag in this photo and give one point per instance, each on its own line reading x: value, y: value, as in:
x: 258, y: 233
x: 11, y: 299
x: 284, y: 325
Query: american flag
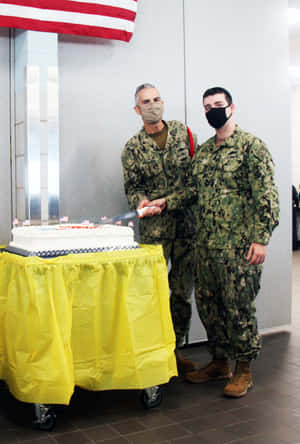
x: 109, y: 19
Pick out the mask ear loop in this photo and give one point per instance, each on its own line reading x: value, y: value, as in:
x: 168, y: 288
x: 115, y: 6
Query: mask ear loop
x: 230, y: 114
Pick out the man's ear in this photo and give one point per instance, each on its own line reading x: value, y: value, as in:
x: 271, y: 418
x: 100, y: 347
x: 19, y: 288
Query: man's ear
x: 137, y: 110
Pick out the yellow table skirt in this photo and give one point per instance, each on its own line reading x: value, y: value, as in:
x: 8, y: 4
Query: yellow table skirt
x: 100, y: 321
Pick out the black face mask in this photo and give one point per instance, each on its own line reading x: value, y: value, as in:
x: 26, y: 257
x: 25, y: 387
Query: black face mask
x: 217, y: 117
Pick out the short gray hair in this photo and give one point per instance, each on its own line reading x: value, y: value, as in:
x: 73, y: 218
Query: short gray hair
x: 139, y: 88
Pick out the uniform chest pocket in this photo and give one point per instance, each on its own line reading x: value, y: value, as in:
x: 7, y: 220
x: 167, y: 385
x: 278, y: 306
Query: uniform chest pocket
x: 231, y: 172
x: 182, y: 154
x: 177, y: 163
x: 152, y: 168
x: 231, y: 164
x: 177, y: 152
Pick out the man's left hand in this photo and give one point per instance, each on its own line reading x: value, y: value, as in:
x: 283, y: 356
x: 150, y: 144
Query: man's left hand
x: 256, y: 254
x: 159, y: 204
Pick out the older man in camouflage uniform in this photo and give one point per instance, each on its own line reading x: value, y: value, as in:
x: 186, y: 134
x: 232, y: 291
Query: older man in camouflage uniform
x: 157, y: 172
x: 238, y: 209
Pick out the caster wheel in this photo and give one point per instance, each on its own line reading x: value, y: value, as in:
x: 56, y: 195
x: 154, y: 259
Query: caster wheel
x: 46, y: 421
x: 151, y: 397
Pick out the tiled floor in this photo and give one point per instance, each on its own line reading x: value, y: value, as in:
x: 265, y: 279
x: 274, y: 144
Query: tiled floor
x: 189, y: 414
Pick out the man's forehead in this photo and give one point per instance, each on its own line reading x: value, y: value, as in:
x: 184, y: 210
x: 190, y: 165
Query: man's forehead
x: 149, y: 92
x: 218, y: 97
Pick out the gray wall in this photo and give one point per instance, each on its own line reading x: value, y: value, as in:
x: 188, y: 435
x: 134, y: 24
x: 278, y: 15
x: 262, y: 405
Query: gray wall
x: 241, y: 45
x: 97, y: 83
x: 247, y: 52
x: 5, y: 179
x: 294, y: 3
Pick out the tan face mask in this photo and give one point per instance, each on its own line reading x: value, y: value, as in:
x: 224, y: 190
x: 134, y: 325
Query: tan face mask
x: 152, y: 112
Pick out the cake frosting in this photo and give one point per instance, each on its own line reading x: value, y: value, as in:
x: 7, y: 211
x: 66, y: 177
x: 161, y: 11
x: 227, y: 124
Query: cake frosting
x: 68, y: 238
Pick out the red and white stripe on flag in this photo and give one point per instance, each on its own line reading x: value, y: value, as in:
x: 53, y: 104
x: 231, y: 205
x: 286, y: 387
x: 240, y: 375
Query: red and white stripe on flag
x: 109, y: 19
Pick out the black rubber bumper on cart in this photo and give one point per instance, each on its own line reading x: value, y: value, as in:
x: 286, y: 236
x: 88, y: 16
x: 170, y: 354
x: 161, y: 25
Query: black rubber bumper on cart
x: 44, y: 417
x: 152, y: 397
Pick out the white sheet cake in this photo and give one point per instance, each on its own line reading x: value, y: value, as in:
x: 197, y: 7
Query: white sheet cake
x: 68, y: 238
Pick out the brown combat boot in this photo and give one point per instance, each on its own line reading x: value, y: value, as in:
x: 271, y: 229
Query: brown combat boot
x: 241, y: 381
x: 215, y: 370
x: 184, y: 365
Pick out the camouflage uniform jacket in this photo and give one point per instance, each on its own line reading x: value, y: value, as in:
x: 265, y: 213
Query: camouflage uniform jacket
x: 237, y: 197
x: 151, y: 173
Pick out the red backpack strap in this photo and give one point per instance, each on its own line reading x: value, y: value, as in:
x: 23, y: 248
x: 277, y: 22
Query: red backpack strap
x: 192, y: 147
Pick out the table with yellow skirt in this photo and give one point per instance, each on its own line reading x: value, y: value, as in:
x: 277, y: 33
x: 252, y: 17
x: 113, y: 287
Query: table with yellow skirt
x: 100, y: 321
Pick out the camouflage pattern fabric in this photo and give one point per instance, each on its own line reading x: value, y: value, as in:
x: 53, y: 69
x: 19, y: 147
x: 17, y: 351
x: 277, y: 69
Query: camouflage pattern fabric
x: 238, y: 200
x: 180, y: 252
x: 237, y: 205
x: 225, y: 291
x: 152, y: 173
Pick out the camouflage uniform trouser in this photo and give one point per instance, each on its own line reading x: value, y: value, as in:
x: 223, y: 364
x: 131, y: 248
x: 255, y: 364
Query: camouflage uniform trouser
x: 225, y: 291
x: 180, y: 252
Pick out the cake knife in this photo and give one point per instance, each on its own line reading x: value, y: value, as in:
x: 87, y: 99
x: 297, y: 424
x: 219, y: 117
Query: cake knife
x: 125, y: 216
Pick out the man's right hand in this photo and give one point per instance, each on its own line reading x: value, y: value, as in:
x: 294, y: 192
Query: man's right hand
x: 148, y: 205
x: 143, y: 203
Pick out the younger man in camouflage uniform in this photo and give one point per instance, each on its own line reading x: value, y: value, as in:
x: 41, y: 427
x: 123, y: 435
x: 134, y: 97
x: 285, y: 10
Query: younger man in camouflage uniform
x: 238, y: 209
x: 157, y: 172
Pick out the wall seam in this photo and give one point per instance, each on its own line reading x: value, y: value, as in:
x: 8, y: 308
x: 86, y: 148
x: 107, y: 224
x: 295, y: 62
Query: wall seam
x: 184, y: 62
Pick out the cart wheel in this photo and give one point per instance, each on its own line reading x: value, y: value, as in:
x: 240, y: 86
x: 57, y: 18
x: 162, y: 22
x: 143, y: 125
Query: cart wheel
x: 152, y: 397
x: 45, y: 418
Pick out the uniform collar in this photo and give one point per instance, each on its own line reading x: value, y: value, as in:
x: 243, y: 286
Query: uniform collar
x: 229, y: 141
x: 146, y: 137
